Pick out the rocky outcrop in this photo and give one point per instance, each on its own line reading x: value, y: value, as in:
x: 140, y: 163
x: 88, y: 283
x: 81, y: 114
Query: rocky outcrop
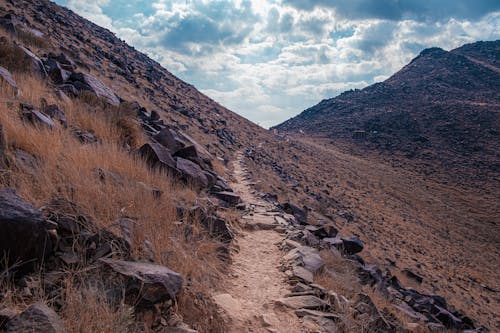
x: 87, y: 82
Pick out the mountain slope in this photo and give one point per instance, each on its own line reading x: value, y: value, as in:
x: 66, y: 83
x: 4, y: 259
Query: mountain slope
x: 441, y: 105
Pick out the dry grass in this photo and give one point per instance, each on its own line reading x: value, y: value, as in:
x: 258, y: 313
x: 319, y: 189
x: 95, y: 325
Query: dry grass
x: 68, y: 169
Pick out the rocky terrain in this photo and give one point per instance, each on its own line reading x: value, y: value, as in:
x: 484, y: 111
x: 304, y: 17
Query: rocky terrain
x: 131, y: 202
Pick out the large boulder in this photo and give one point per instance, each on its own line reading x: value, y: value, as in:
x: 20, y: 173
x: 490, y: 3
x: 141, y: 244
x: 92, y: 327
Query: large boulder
x: 218, y: 227
x: 299, y: 214
x: 87, y: 82
x: 192, y: 173
x: 7, y: 77
x: 147, y: 284
x: 37, y: 318
x: 157, y: 156
x: 306, y: 257
x: 24, y: 241
x: 168, y: 139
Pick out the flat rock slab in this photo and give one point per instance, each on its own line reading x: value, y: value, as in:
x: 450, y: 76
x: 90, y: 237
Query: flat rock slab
x: 306, y: 312
x: 150, y: 283
x: 229, y: 197
x: 304, y: 302
x: 303, y: 274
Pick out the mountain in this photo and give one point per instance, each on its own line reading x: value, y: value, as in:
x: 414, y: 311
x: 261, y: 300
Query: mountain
x: 442, y: 105
x: 132, y: 202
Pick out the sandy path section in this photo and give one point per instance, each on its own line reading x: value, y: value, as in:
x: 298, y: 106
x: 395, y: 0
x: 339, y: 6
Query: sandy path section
x: 256, y: 280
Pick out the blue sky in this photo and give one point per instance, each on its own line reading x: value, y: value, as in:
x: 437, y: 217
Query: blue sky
x: 270, y: 59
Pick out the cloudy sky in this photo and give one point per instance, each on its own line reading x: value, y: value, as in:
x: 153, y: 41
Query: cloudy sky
x: 270, y: 59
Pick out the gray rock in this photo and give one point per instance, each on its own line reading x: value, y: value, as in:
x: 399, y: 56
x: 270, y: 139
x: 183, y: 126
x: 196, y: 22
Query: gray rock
x: 147, y: 284
x: 218, y: 227
x: 7, y: 77
x: 23, y: 240
x: 169, y: 140
x: 157, y: 156
x: 192, y: 173
x: 36, y: 64
x: 303, y: 274
x: 307, y: 257
x: 352, y: 245
x: 37, y: 318
x: 304, y: 302
x: 87, y: 82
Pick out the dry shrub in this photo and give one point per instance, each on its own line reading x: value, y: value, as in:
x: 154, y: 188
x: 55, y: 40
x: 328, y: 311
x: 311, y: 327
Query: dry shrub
x: 30, y: 39
x: 87, y: 309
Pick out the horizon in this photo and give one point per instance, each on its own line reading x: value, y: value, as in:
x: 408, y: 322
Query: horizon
x: 270, y: 60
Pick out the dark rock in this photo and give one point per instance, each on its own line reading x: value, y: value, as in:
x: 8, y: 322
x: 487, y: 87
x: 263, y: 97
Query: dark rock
x: 9, y: 23
x: 55, y: 72
x: 154, y: 115
x: 413, y: 275
x: 147, y: 284
x: 24, y: 242
x: 37, y: 318
x: 69, y: 90
x: 29, y: 113
x: 7, y: 77
x: 85, y: 136
x: 54, y: 112
x: 36, y: 64
x: 192, y: 173
x: 299, y: 214
x: 157, y: 156
x: 168, y: 139
x: 188, y: 153
x: 90, y: 83
x: 322, y: 231
x: 231, y: 198
x: 352, y: 245
x: 218, y: 227
x: 447, y: 318
x: 304, y: 302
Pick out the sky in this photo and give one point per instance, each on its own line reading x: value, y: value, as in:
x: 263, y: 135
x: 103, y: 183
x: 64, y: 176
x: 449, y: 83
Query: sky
x: 268, y: 60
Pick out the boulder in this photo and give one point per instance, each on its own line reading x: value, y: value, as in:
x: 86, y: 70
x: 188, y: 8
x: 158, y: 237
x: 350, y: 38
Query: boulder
x: 352, y: 245
x: 157, y: 156
x: 37, y: 318
x: 230, y: 197
x: 168, y: 139
x: 7, y: 77
x: 24, y: 242
x: 5, y: 316
x: 306, y: 257
x: 36, y: 64
x: 57, y: 74
x: 322, y: 231
x: 192, y: 173
x: 87, y: 82
x: 147, y: 284
x: 34, y: 116
x: 299, y: 214
x: 218, y: 227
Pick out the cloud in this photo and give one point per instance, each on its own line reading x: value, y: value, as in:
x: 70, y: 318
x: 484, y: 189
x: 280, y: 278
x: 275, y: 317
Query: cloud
x: 403, y: 9
x: 270, y: 59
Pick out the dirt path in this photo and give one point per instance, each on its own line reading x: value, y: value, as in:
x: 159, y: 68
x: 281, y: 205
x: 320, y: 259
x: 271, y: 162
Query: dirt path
x: 256, y: 280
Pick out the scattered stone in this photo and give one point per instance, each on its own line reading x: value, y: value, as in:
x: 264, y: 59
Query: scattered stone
x: 36, y: 318
x: 192, y: 173
x: 24, y: 242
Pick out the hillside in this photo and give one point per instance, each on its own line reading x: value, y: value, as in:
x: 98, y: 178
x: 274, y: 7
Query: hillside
x: 441, y: 106
x: 131, y: 202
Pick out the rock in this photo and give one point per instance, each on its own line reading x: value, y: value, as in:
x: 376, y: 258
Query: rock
x: 7, y: 77
x: 37, y: 318
x: 55, y: 72
x: 307, y: 257
x: 320, y: 324
x: 352, y: 245
x: 24, y: 242
x: 302, y: 273
x: 87, y: 82
x: 231, y: 198
x: 9, y: 23
x: 169, y: 140
x: 218, y: 227
x: 299, y: 214
x: 412, y: 275
x: 154, y: 115
x: 36, y: 64
x: 85, y: 136
x: 192, y: 173
x: 447, y: 318
x: 54, y: 112
x: 322, y: 231
x: 304, y: 302
x: 30, y: 114
x: 147, y: 284
x: 157, y: 156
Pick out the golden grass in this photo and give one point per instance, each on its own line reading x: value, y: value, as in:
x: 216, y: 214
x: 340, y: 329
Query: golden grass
x: 68, y: 169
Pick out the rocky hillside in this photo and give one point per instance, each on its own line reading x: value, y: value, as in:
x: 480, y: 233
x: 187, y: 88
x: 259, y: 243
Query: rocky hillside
x: 441, y: 105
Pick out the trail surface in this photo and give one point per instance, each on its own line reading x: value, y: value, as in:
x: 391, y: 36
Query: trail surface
x: 256, y: 281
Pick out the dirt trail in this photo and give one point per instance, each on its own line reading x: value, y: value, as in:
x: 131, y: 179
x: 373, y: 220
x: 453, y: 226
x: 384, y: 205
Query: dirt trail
x: 256, y: 280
